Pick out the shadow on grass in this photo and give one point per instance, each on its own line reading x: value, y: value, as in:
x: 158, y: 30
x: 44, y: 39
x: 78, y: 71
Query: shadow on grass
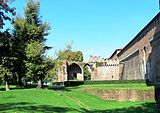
x: 145, y: 108
x: 31, y: 107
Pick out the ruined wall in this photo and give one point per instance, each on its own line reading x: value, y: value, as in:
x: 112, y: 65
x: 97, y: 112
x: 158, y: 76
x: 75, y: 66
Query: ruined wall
x: 67, y: 70
x: 121, y: 94
x: 62, y: 74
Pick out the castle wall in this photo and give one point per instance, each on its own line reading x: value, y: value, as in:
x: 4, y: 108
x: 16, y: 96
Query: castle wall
x: 135, y: 59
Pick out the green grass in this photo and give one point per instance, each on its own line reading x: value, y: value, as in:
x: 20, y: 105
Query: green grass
x: 49, y: 101
x: 114, y: 82
x: 134, y: 86
x: 3, y: 87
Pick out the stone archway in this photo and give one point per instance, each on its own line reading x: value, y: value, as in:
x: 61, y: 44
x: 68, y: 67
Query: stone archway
x: 75, y: 72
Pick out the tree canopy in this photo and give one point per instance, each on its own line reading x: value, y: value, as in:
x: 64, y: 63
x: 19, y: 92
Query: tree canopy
x: 69, y: 55
x: 23, y: 50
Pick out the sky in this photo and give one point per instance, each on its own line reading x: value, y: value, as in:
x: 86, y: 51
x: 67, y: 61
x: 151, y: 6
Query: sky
x: 96, y: 27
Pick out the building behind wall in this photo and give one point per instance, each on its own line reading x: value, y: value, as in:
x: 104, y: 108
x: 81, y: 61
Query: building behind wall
x: 104, y: 69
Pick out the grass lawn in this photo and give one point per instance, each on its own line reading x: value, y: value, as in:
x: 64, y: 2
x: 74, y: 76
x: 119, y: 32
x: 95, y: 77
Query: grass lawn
x: 135, y: 86
x: 3, y: 87
x: 50, y: 101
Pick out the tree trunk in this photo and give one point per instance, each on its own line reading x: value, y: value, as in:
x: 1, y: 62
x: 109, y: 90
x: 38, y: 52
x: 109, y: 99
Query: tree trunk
x: 40, y: 83
x: 25, y: 82
x: 7, y: 86
x: 6, y: 80
x: 20, y: 81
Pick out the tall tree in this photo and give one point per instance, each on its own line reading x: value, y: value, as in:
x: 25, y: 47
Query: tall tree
x: 34, y: 63
x: 19, y: 43
x: 6, y: 57
x: 30, y: 31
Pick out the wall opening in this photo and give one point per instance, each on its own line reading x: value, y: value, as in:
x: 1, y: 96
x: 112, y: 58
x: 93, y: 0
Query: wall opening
x: 74, y: 70
x: 87, y: 69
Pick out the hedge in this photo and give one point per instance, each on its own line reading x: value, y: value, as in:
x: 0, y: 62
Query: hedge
x: 77, y: 83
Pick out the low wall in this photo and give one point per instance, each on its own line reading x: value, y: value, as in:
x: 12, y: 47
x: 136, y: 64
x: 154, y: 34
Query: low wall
x: 122, y: 95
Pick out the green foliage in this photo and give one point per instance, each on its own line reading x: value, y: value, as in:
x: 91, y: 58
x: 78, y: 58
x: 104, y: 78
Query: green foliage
x: 6, y: 56
x: 33, y: 50
x: 5, y: 74
x: 29, y: 33
x: 69, y: 55
x: 99, y: 64
x: 86, y: 73
x: 76, y: 56
x: 50, y: 68
x: 32, y: 12
x: 23, y: 54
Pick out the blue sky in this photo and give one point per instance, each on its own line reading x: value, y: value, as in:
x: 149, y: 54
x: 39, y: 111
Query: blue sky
x: 96, y: 27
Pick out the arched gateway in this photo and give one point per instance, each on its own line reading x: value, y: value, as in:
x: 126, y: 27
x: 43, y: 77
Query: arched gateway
x: 75, y: 72
x: 70, y: 71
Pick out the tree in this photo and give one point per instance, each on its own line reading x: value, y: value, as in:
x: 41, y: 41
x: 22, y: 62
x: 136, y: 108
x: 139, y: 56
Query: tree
x: 69, y: 55
x: 86, y: 73
x: 5, y: 75
x: 76, y: 56
x: 50, y: 70
x: 20, y: 43
x: 38, y: 66
x: 4, y: 9
x: 6, y: 57
x: 34, y: 63
x: 30, y: 31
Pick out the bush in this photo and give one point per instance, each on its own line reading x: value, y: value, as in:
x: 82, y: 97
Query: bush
x: 77, y: 83
x: 73, y: 83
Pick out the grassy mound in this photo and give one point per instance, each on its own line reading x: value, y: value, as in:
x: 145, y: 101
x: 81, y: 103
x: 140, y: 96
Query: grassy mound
x: 134, y: 86
x: 50, y: 101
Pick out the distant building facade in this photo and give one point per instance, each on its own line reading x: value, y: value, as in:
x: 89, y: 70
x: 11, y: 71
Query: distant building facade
x: 104, y: 69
